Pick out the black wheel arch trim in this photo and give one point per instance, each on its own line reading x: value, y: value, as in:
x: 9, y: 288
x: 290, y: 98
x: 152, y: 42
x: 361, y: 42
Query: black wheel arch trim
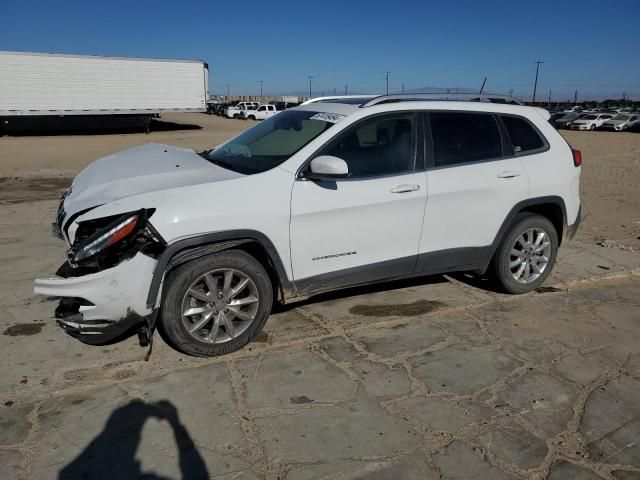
x: 205, y: 244
x: 523, y: 205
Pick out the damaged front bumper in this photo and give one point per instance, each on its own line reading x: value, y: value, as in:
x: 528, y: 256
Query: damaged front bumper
x: 99, y: 307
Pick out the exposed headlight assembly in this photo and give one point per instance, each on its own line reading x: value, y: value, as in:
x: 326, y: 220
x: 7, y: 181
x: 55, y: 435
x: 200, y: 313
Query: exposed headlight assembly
x: 116, y: 234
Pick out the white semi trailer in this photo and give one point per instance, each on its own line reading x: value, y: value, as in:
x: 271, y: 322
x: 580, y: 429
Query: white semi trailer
x: 38, y: 85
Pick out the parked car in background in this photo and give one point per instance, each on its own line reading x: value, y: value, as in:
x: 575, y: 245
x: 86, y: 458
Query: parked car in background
x: 590, y: 121
x: 236, y: 111
x: 622, y: 122
x: 565, y: 121
x: 555, y: 116
x: 260, y: 113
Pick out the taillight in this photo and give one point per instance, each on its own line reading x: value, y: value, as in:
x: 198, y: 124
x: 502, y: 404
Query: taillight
x: 577, y: 157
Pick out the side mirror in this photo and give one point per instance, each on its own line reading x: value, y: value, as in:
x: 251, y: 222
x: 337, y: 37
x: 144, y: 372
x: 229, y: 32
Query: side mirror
x: 326, y: 167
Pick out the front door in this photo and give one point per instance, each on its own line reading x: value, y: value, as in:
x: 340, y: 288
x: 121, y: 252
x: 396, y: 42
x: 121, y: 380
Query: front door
x: 366, y: 227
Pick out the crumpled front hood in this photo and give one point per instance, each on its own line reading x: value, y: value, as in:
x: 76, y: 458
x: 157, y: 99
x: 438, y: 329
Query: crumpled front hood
x: 147, y: 168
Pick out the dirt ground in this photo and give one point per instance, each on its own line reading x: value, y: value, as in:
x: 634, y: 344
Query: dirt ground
x: 431, y: 378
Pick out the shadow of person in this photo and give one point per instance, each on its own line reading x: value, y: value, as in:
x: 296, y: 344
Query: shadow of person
x: 111, y: 455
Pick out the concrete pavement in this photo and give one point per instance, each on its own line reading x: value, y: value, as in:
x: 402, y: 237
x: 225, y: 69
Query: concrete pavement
x: 429, y: 378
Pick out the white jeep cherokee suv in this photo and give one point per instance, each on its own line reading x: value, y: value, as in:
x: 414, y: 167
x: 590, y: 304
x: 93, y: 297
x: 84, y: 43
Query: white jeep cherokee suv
x: 331, y: 194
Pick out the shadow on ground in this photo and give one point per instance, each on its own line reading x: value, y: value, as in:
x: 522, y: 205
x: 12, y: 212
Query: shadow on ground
x: 112, y: 453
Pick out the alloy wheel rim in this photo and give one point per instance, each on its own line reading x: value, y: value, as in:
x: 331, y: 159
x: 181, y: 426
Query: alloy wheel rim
x: 529, y: 257
x: 219, y: 306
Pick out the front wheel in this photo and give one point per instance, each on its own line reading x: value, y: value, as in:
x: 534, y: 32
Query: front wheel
x: 526, y: 254
x: 216, y: 304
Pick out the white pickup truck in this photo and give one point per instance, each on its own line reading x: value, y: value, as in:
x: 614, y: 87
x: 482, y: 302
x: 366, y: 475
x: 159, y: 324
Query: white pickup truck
x: 236, y: 111
x: 260, y: 113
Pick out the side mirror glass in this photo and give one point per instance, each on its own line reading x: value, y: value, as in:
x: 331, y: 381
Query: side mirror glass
x: 327, y: 167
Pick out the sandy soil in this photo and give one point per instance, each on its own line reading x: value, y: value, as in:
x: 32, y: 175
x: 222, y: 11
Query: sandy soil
x: 37, y: 167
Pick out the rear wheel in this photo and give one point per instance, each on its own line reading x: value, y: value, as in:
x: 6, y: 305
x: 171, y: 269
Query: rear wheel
x: 526, y: 254
x: 216, y: 304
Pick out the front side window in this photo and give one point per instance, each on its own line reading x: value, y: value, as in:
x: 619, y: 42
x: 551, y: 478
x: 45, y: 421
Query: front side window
x: 382, y: 145
x: 523, y: 136
x: 269, y: 143
x: 464, y: 137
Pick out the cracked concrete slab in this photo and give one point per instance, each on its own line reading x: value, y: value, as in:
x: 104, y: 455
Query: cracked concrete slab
x: 401, y: 338
x: 292, y: 378
x: 332, y: 433
x: 409, y: 467
x: 459, y: 461
x: 462, y: 369
x: 514, y: 445
x: 10, y: 464
x: 611, y: 422
x: 14, y: 422
x: 544, y: 401
x: 381, y: 380
x: 437, y: 415
x: 565, y: 470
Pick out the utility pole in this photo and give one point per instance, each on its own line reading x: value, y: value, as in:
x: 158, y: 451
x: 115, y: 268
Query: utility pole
x: 345, y: 89
x: 228, y: 89
x: 403, y: 88
x: 386, y: 74
x: 310, y: 77
x: 483, y: 84
x: 575, y: 98
x: 511, y: 93
x: 334, y: 91
x: 535, y: 85
x: 260, y: 82
x: 549, y: 102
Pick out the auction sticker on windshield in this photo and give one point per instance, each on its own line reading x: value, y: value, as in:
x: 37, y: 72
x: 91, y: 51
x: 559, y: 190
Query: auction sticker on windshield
x: 328, y: 117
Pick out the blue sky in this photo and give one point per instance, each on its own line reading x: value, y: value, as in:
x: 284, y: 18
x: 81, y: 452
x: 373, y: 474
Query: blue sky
x: 591, y: 46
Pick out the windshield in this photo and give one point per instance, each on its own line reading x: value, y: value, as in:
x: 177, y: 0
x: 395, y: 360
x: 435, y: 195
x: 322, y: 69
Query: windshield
x: 621, y: 117
x: 588, y: 117
x: 269, y: 143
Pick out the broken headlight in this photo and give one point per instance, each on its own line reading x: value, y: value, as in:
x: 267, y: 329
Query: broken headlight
x: 117, y: 236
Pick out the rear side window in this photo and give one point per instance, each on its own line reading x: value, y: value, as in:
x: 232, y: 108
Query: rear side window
x: 464, y: 137
x: 523, y: 136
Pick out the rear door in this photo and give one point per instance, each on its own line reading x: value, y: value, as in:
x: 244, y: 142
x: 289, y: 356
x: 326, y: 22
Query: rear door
x: 474, y: 179
x: 365, y: 227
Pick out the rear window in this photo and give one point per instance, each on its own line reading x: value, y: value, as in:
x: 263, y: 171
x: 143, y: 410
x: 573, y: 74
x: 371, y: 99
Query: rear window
x: 464, y: 137
x: 523, y: 136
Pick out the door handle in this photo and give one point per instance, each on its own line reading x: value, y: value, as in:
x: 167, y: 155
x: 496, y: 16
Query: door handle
x: 508, y: 174
x: 405, y: 188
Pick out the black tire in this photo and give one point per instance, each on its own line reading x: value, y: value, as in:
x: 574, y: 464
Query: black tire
x: 252, y: 117
x: 592, y: 127
x: 500, y: 267
x: 180, y: 279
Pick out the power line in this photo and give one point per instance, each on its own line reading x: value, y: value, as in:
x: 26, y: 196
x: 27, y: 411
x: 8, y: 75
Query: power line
x: 535, y: 85
x: 310, y: 77
x: 386, y: 74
